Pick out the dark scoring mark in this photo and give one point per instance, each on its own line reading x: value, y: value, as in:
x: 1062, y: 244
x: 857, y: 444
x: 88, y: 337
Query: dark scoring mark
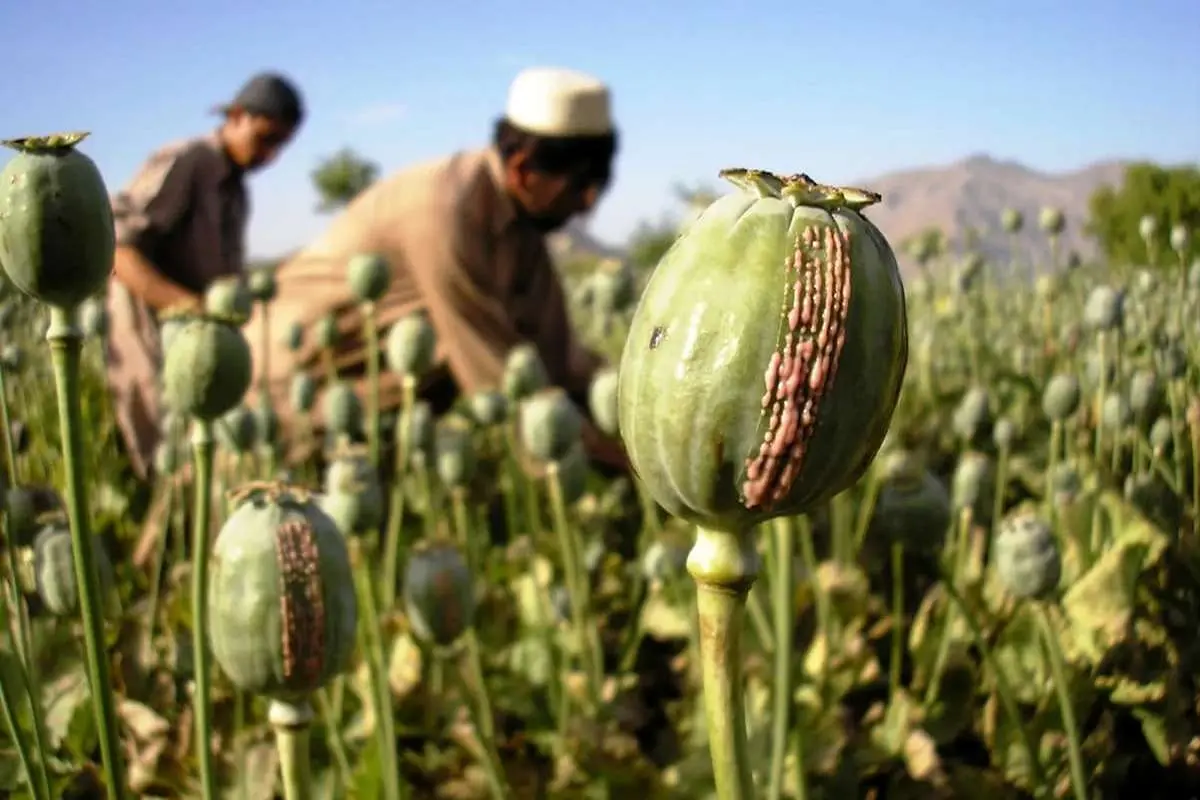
x: 657, y: 335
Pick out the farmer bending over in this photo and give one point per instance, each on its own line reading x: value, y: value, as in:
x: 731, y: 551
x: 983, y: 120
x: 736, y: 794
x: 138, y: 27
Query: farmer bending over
x: 180, y: 226
x: 465, y: 239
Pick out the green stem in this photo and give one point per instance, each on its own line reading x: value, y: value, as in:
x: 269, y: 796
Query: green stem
x: 577, y: 588
x: 1176, y: 390
x: 1066, y: 707
x: 760, y: 622
x: 66, y: 343
x: 1001, y: 487
x: 292, y: 723
x: 265, y: 372
x: 521, y: 484
x: 1056, y: 438
x: 39, y: 788
x: 1101, y: 391
x: 897, y: 620
x: 333, y: 736
x: 371, y: 335
x: 391, y: 548
x: 160, y: 557
x: 808, y: 557
x: 331, y: 373
x: 481, y: 711
x: 420, y: 468
x: 724, y: 566
x: 239, y: 742
x: 961, y: 559
x: 9, y: 709
x: 10, y: 454
x: 462, y: 528
x: 1003, y: 689
x: 22, y: 646
x: 1195, y: 448
x: 202, y: 452
x: 783, y: 589
x: 866, y: 510
x: 385, y: 723
x: 841, y: 523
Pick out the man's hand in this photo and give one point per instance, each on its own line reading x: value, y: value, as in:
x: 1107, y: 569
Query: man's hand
x: 145, y: 282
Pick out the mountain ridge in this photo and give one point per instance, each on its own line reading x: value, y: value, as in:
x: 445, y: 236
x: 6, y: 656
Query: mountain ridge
x: 968, y: 194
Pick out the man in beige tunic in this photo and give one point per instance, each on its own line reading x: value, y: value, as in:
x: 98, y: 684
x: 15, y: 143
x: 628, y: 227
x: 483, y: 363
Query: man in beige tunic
x: 465, y: 239
x: 181, y: 225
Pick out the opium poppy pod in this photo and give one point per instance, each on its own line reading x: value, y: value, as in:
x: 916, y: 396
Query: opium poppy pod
x: 56, y: 224
x: 766, y: 355
x: 281, y: 594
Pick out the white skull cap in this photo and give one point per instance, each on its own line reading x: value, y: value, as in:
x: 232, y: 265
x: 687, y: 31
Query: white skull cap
x: 547, y: 101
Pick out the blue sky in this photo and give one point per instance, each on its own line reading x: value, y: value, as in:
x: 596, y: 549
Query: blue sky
x: 839, y: 90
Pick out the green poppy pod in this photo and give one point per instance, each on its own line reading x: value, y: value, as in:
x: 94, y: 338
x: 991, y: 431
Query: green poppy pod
x: 912, y: 507
x: 410, y: 345
x: 236, y: 430
x: 1052, y: 221
x: 326, y: 334
x: 439, y: 592
x: 1105, y: 308
x: 1012, y: 220
x: 1180, y: 239
x: 281, y: 595
x: 488, y: 407
x: 56, y: 224
x: 766, y: 355
x: 602, y: 401
x: 294, y: 338
x: 454, y: 453
x: 550, y: 424
x: 54, y: 568
x: 1026, y: 556
x: 1061, y: 397
x: 261, y: 284
x: 353, y: 496
x: 369, y: 276
x: 229, y: 297
x: 524, y: 372
x: 342, y: 410
x: 207, y: 368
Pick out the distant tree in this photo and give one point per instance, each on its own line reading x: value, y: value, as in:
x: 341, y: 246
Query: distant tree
x: 1169, y: 194
x: 649, y: 243
x: 339, y: 178
x: 926, y: 245
x: 699, y: 195
x: 972, y: 238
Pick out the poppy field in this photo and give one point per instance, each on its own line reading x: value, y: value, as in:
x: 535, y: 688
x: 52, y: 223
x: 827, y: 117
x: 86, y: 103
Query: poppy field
x: 1003, y: 604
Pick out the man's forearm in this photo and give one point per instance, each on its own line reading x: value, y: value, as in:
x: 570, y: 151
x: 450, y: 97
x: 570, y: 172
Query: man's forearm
x: 147, y: 283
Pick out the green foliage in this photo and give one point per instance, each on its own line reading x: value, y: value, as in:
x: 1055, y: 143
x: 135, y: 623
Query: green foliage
x: 648, y: 244
x: 599, y: 583
x: 1170, y: 194
x: 926, y: 245
x: 339, y: 178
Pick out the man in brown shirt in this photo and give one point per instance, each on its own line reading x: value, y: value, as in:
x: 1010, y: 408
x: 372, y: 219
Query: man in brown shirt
x: 181, y: 225
x: 465, y: 239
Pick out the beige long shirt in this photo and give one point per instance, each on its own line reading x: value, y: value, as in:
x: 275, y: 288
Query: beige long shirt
x: 456, y: 250
x: 186, y: 211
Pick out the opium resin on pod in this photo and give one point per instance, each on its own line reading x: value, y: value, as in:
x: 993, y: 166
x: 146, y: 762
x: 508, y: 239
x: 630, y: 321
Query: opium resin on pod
x: 281, y: 595
x: 766, y: 355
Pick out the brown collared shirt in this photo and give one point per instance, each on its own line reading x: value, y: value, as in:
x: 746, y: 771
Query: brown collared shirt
x: 186, y: 210
x: 456, y: 250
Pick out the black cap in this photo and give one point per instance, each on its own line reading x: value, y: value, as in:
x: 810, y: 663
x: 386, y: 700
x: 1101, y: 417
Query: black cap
x: 269, y: 94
